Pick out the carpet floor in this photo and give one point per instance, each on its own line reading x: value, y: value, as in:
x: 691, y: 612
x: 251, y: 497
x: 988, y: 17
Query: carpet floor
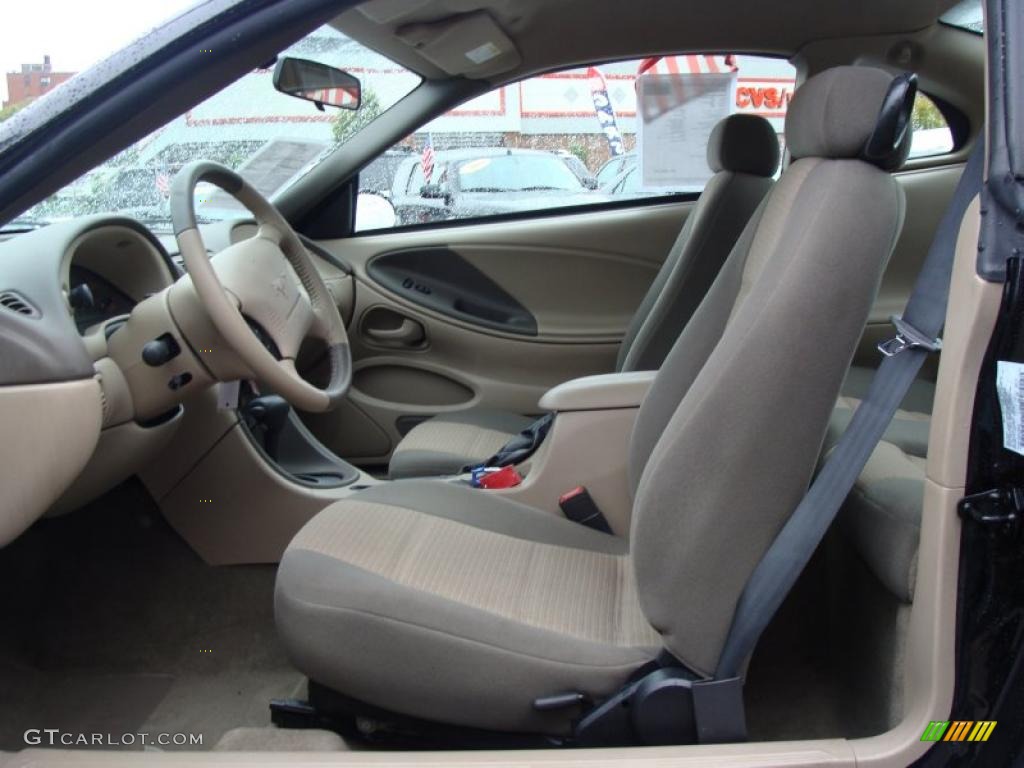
x: 116, y: 626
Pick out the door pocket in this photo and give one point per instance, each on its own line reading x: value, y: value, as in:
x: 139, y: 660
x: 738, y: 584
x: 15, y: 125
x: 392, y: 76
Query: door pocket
x: 405, y: 385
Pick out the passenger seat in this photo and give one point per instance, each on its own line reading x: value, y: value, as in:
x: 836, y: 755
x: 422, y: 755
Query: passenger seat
x: 743, y: 153
x: 909, y: 427
x: 882, y: 517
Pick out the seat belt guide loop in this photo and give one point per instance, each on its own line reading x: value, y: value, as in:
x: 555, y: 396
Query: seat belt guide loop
x: 907, y: 337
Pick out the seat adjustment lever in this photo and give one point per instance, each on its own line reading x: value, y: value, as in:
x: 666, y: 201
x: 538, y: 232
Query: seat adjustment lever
x: 560, y: 701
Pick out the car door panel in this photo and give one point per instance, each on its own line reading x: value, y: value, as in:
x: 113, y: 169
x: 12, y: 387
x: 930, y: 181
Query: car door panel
x: 579, y: 276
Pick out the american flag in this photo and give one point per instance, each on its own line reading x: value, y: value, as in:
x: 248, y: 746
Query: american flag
x: 427, y: 160
x: 163, y: 184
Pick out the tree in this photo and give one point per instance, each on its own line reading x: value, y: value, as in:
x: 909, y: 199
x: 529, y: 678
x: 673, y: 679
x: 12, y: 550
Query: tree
x: 11, y: 109
x: 349, y: 122
x: 926, y: 115
x: 579, y: 149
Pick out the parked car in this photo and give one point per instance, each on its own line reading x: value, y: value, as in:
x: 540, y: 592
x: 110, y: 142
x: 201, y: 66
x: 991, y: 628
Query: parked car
x: 627, y: 182
x: 613, y: 168
x: 378, y: 177
x: 467, y: 183
x: 577, y: 166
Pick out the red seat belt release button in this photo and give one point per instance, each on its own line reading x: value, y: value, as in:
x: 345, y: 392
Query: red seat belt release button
x: 569, y: 495
x: 506, y: 477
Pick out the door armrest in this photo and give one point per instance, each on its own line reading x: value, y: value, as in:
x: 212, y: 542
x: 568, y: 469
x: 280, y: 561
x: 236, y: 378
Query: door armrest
x: 596, y: 393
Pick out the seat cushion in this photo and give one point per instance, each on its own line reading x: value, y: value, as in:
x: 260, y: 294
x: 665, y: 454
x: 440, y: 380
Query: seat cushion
x: 910, y: 425
x: 445, y: 444
x: 443, y: 602
x: 882, y: 517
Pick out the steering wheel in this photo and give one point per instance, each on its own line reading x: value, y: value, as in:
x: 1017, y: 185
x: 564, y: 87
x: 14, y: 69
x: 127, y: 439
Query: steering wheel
x: 268, y: 280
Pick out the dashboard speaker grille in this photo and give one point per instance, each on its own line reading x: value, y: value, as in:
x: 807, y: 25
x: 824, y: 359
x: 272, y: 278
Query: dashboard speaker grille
x: 15, y: 302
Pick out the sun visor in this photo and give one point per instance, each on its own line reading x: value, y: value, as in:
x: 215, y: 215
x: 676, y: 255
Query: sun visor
x: 472, y: 45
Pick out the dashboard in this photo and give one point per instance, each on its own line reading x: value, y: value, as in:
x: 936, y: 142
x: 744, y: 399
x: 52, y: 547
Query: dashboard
x: 101, y: 347
x: 88, y: 404
x: 61, y: 392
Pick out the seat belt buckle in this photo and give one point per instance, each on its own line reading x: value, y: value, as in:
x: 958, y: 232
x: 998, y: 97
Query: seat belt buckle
x: 578, y: 506
x: 907, y: 337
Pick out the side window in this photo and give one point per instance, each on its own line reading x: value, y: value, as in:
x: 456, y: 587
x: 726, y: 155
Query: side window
x: 932, y: 135
x: 628, y: 131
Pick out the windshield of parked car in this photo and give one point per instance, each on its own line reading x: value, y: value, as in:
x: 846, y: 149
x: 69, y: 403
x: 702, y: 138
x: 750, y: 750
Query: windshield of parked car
x: 270, y: 138
x: 517, y: 173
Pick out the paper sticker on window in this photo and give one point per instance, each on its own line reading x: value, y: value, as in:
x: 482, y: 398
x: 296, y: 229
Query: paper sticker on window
x: 676, y: 115
x: 1010, y: 387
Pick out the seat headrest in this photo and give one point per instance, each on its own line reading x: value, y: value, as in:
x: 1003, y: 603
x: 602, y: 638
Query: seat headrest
x: 744, y: 144
x: 853, y: 112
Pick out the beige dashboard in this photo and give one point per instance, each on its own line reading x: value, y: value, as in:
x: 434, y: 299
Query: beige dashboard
x: 87, y: 410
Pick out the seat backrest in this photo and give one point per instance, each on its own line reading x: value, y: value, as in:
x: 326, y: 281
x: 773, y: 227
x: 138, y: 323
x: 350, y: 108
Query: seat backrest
x: 727, y: 439
x: 743, y: 153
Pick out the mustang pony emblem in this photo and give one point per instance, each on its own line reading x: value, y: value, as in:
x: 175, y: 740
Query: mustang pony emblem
x: 279, y: 283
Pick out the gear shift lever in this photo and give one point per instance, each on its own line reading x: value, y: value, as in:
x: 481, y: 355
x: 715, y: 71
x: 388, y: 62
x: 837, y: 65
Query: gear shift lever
x: 269, y: 412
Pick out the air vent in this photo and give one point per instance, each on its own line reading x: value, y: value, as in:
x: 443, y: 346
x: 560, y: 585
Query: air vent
x: 15, y: 302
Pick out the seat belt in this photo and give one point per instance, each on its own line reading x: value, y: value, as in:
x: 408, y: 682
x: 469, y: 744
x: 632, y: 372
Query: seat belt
x: 917, y: 335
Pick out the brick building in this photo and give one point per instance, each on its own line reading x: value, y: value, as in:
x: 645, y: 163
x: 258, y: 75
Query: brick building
x: 33, y: 80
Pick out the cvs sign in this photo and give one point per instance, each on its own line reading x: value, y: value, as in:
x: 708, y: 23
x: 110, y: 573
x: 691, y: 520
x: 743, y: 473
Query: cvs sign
x: 768, y: 98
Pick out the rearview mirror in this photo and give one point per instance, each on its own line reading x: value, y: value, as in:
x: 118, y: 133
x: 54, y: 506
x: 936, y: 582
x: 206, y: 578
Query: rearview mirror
x: 316, y: 82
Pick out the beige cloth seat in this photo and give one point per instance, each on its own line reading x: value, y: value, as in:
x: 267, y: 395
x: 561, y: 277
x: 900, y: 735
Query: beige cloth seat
x: 882, y: 517
x: 445, y: 444
x: 743, y: 153
x: 910, y: 425
x: 431, y: 599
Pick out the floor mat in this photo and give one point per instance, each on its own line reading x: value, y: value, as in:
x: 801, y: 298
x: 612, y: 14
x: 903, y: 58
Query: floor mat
x: 212, y: 705
x: 113, y: 625
x: 76, y: 703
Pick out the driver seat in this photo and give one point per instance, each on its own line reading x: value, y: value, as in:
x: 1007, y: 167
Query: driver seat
x: 434, y: 600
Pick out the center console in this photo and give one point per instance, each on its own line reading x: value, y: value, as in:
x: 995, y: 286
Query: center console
x: 588, y: 446
x: 288, y: 446
x: 255, y: 474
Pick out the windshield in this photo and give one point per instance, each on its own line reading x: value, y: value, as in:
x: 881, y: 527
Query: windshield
x: 270, y: 138
x: 517, y: 173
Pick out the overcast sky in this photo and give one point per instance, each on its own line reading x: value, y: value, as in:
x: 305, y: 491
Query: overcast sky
x: 76, y: 33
